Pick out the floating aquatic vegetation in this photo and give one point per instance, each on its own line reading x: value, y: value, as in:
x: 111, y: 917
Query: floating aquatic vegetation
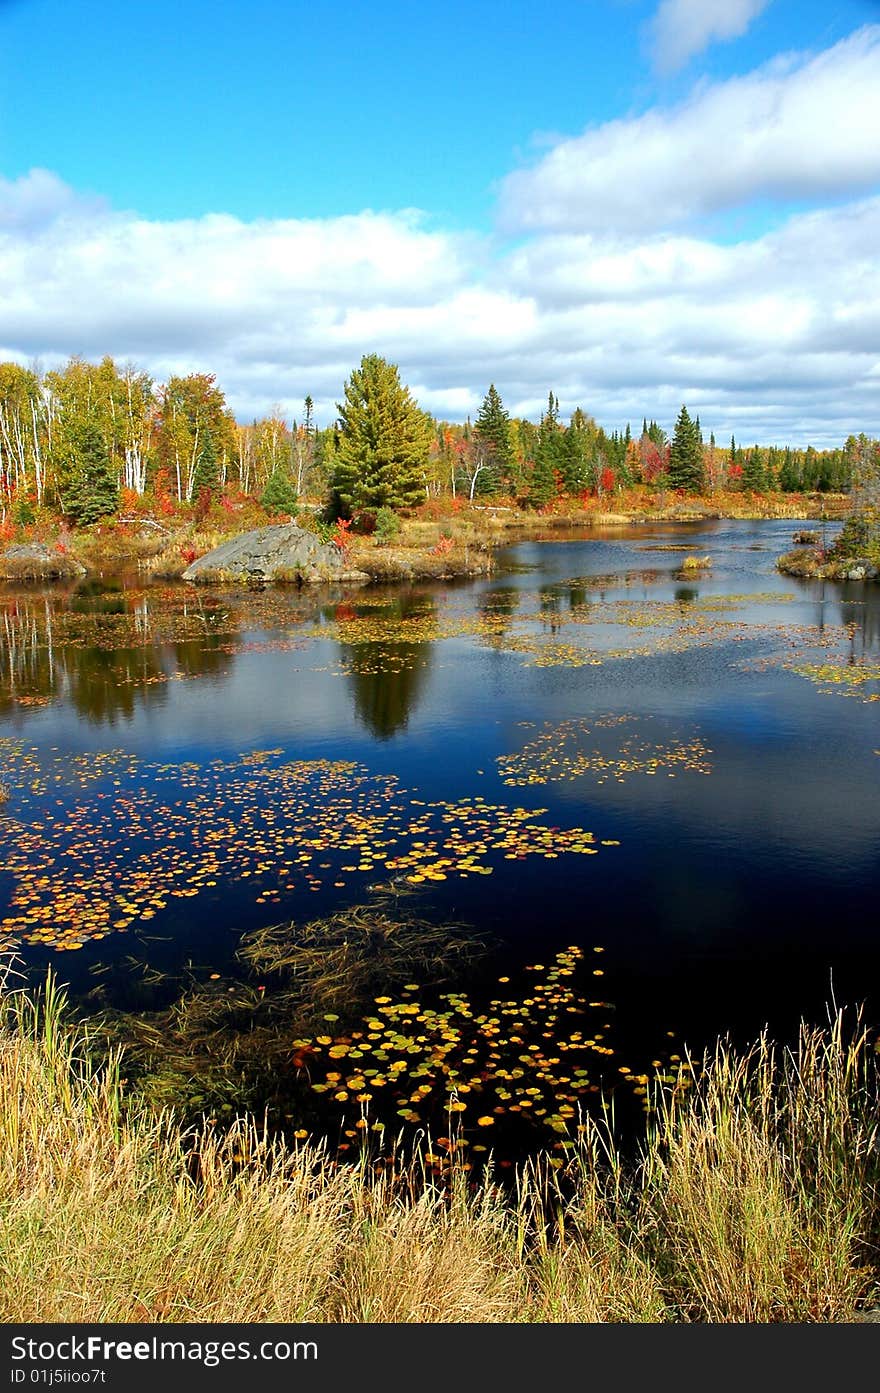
x: 148, y: 834
x: 441, y: 1061
x: 558, y: 753
x: 824, y: 655
x: 843, y: 677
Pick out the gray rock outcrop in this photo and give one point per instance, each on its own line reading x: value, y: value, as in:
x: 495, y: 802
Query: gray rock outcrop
x: 285, y: 553
x: 34, y: 561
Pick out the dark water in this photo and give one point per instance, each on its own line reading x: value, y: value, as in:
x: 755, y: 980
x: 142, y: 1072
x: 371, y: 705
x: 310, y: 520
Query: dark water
x: 658, y: 710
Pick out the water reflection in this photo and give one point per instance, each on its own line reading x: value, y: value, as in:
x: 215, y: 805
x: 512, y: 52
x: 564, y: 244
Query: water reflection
x: 731, y: 893
x: 97, y: 650
x: 387, y: 676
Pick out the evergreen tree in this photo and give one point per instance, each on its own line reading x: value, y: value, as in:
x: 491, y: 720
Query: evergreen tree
x: 753, y: 476
x: 384, y: 440
x: 492, y: 430
x: 789, y: 474
x: 548, y: 457
x: 206, y: 474
x: 279, y: 495
x: 686, y: 456
x: 576, y: 472
x: 88, y: 486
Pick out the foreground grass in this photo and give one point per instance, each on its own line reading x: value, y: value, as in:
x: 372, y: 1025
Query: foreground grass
x: 754, y: 1199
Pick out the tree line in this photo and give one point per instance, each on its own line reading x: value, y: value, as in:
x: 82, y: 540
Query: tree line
x: 90, y: 440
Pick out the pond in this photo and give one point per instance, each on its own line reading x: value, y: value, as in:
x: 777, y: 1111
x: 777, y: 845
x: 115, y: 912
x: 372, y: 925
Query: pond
x: 493, y: 848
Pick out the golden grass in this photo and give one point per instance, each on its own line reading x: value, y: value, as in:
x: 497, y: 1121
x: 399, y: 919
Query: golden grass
x: 754, y: 1199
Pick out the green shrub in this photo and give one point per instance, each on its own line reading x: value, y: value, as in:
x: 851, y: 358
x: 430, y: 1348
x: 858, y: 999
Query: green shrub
x: 388, y: 525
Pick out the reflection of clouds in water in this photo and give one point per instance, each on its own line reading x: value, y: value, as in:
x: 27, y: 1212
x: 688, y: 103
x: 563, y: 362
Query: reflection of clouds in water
x: 771, y: 789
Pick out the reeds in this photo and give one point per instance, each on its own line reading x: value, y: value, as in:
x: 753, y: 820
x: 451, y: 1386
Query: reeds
x: 754, y: 1199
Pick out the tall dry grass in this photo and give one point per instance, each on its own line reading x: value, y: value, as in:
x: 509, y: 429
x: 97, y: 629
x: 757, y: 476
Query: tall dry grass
x: 755, y: 1199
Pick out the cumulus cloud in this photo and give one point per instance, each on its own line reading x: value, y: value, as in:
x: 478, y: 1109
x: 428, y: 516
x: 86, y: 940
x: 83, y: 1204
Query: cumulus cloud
x: 773, y: 337
x: 802, y: 128
x: 40, y: 198
x: 683, y: 28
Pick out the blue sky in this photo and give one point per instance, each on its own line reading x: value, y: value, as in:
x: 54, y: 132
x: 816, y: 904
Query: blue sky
x: 571, y: 166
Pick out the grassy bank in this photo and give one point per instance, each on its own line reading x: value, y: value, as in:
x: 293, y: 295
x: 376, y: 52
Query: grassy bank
x: 755, y: 1199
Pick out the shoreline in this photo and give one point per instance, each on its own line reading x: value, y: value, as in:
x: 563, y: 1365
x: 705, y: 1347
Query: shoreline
x: 442, y: 540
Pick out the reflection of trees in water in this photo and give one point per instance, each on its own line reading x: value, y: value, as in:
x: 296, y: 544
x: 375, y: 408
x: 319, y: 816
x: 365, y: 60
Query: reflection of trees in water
x: 550, y: 607
x: 387, y: 677
x: 864, y: 613
x: 39, y: 661
x: 28, y: 665
x: 497, y: 608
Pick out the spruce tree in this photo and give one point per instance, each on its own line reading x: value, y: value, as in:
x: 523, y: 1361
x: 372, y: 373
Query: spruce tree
x: 279, y: 495
x: 686, y: 455
x: 384, y: 440
x: 754, y: 476
x: 789, y: 474
x: 492, y: 427
x: 574, y: 459
x: 89, y: 488
x: 548, y: 457
x: 206, y: 474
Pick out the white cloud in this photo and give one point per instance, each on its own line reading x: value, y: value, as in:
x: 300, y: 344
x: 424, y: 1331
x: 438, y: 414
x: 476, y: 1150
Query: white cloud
x: 40, y: 198
x: 803, y: 128
x: 683, y: 28
x: 776, y: 337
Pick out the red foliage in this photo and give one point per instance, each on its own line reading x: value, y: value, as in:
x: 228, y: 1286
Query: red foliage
x: 654, y: 464
x: 203, y: 503
x: 444, y: 545
x: 436, y: 509
x: 162, y: 493
x: 188, y: 554
x: 340, y: 534
x: 607, y: 480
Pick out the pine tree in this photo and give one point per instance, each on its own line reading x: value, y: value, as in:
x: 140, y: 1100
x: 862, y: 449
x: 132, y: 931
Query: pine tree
x: 492, y: 430
x: 384, y: 440
x: 686, y: 455
x: 89, y: 488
